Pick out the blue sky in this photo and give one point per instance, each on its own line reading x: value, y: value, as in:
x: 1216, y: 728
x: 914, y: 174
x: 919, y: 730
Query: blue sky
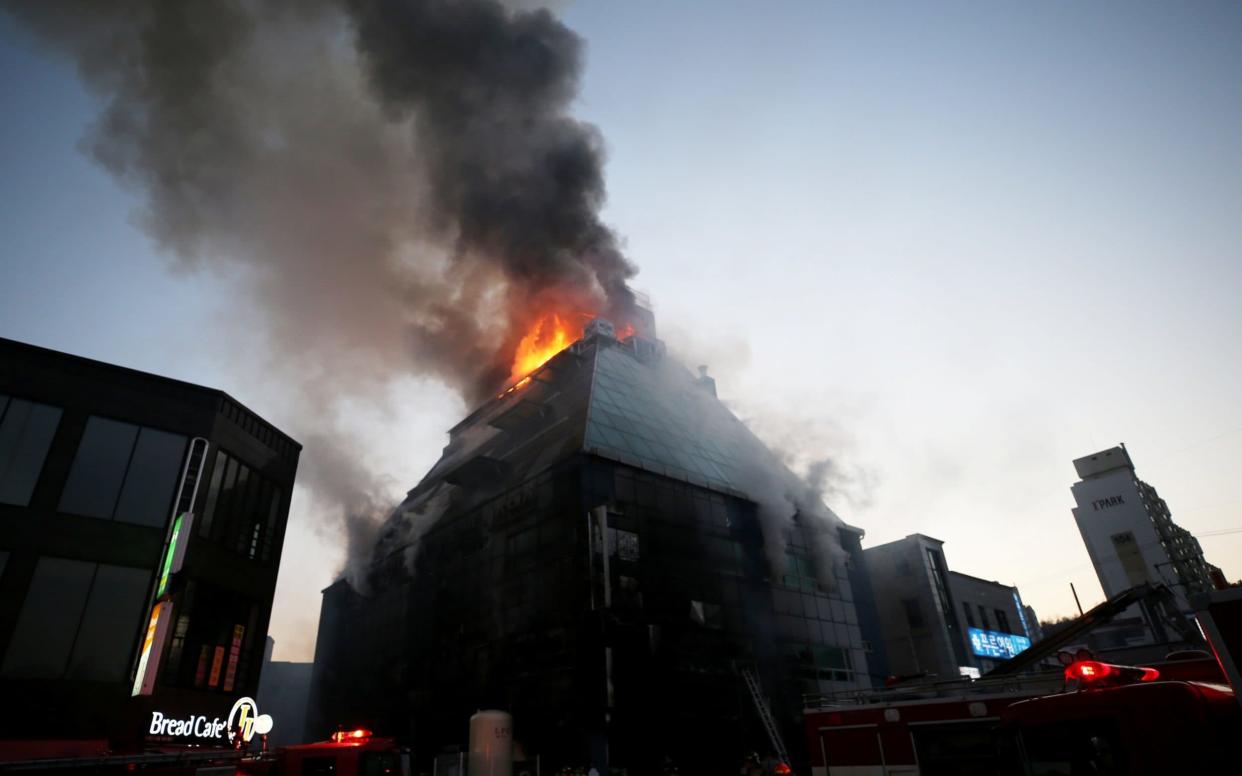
x: 951, y: 245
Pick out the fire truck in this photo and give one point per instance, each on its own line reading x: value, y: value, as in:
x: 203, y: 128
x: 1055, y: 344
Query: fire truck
x: 1179, y: 715
x: 346, y: 753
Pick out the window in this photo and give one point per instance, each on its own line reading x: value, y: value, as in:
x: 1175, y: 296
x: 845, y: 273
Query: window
x: 26, y: 431
x: 627, y: 545
x: 914, y: 615
x: 937, y: 579
x: 1002, y: 622
x: 48, y: 620
x: 213, y: 494
x: 983, y: 618
x: 79, y: 621
x: 707, y: 615
x: 378, y: 764
x: 98, y: 468
x: 970, y: 615
x: 110, y: 625
x: 829, y: 663
x: 801, y: 573
x: 242, y: 509
x: 124, y: 472
x: 319, y: 766
x: 150, y: 483
x: 628, y: 594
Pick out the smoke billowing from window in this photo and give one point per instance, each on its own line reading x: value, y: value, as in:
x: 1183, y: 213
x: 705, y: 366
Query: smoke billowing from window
x: 400, y: 181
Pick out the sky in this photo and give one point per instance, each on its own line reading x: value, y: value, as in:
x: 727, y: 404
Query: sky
x: 951, y: 246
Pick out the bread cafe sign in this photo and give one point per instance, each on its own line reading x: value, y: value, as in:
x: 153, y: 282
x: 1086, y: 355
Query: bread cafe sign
x: 243, y: 723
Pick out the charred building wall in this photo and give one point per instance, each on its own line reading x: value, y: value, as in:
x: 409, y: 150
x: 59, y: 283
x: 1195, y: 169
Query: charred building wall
x: 606, y: 603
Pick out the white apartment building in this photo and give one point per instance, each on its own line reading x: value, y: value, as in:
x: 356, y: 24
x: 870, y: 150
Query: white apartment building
x: 1129, y: 532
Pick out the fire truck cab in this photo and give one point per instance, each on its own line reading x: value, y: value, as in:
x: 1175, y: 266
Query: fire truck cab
x: 1144, y: 723
x: 346, y: 753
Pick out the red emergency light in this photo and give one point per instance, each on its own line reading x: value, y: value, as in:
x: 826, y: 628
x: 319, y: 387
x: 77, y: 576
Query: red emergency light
x: 1095, y: 673
x: 356, y: 736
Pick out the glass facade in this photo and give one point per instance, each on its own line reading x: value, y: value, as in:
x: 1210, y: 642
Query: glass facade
x: 512, y: 592
x: 124, y: 472
x: 26, y: 431
x: 242, y: 510
x: 79, y: 620
x: 665, y: 435
x: 214, y: 638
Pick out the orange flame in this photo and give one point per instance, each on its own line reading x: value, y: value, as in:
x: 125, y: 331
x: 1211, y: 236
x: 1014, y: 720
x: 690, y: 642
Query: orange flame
x: 550, y: 335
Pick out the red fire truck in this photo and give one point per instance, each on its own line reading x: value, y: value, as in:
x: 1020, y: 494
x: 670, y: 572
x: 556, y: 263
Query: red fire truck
x: 1180, y: 715
x: 937, y: 727
x: 347, y: 753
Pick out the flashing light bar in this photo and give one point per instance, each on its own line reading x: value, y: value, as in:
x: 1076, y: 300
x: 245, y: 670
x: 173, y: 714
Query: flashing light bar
x: 356, y: 736
x: 1095, y: 673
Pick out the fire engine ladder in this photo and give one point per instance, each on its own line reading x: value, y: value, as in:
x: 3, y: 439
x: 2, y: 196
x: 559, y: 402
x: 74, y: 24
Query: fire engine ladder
x: 765, y: 713
x: 1080, y: 627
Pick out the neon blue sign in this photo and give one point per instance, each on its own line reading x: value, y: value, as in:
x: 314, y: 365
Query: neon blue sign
x: 1017, y: 602
x: 986, y: 643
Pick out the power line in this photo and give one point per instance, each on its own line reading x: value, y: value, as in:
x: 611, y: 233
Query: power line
x: 1218, y: 532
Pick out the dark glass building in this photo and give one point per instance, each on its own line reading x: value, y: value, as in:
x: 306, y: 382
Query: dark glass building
x: 589, y: 554
x: 141, y: 524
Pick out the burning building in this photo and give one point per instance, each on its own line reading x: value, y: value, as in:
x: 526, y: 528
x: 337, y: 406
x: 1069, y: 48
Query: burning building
x: 605, y: 551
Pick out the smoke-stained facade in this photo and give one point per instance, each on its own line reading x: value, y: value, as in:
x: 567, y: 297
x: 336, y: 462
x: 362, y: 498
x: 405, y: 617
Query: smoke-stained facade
x: 587, y: 555
x: 397, y: 187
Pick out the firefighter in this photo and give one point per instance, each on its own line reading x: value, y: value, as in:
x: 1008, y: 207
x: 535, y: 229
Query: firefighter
x: 750, y: 765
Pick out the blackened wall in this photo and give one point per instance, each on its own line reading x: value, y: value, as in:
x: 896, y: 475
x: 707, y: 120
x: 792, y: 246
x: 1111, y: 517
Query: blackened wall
x: 502, y: 605
x: 865, y: 606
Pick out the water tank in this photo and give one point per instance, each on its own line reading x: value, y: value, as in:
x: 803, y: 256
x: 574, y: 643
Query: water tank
x: 491, y: 744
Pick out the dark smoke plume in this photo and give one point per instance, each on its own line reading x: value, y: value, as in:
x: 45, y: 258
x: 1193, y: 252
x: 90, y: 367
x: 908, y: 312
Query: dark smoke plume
x: 398, y: 182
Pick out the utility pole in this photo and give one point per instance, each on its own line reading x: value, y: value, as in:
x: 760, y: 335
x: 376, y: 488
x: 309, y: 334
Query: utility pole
x: 1076, y: 601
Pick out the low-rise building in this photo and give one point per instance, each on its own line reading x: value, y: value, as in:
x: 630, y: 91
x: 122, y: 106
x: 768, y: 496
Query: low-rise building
x: 995, y: 623
x: 141, y: 526
x: 938, y: 622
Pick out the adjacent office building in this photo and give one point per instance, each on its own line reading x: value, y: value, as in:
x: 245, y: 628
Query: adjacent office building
x: 589, y: 554
x: 141, y: 525
x: 995, y: 623
x: 941, y: 623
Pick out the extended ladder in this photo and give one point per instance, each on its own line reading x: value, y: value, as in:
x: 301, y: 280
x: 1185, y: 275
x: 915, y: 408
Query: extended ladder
x: 765, y: 714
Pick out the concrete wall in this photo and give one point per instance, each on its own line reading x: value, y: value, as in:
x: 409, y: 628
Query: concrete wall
x: 917, y: 637
x: 972, y: 593
x: 284, y: 690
